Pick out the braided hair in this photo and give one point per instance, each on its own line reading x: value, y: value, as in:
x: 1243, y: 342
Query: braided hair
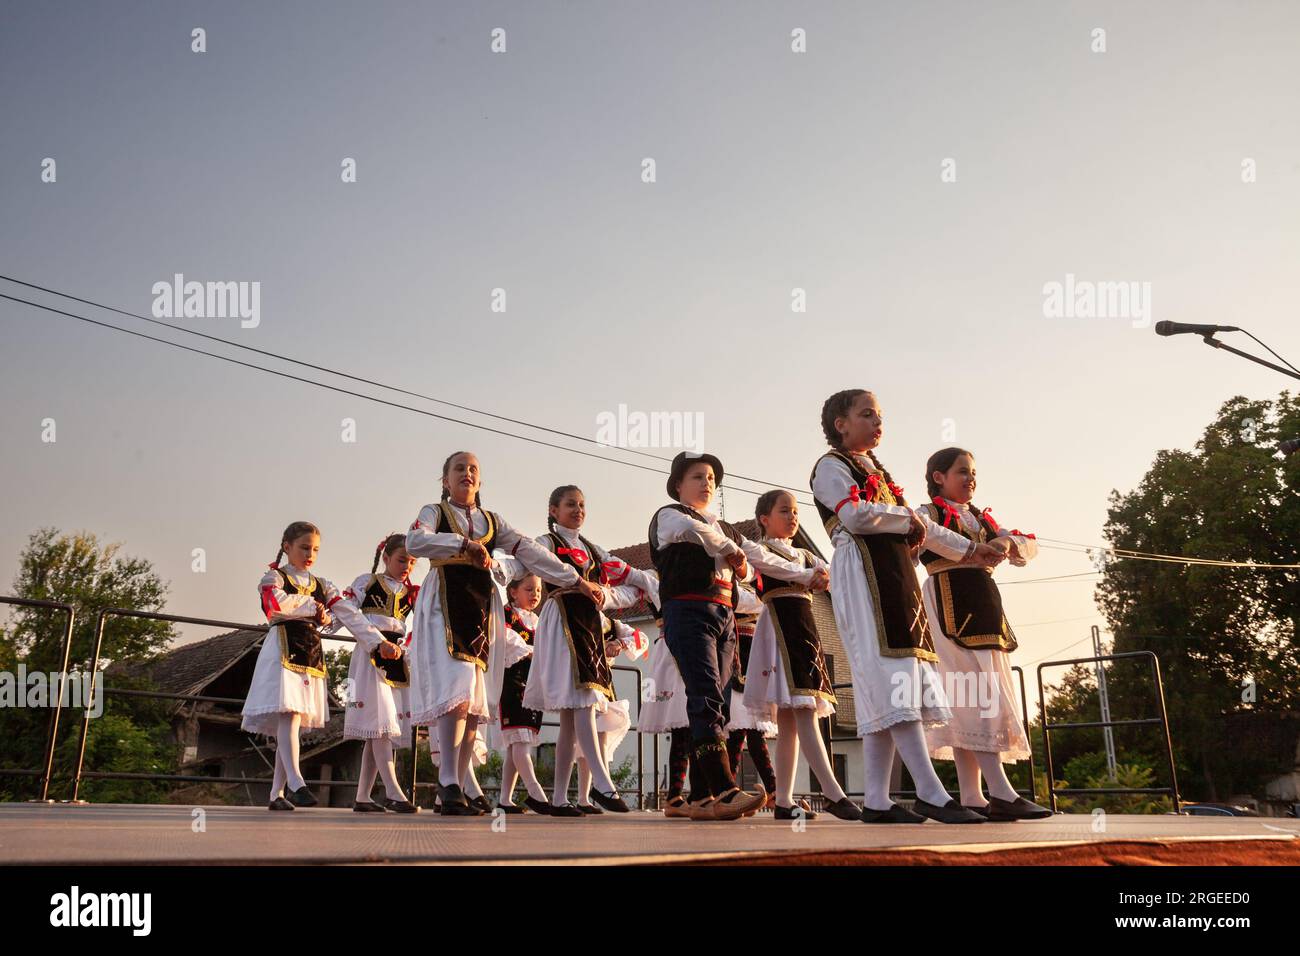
x: 556, y: 497
x: 838, y: 406
x: 387, y: 547
x: 766, y: 502
x: 941, y: 460
x: 293, y: 533
x: 446, y: 470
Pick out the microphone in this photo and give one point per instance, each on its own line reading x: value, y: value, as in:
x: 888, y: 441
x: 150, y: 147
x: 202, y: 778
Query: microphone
x: 1179, y: 328
x: 1289, y: 447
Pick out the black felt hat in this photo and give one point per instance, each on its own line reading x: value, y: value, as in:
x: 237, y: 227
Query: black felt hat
x: 683, y: 461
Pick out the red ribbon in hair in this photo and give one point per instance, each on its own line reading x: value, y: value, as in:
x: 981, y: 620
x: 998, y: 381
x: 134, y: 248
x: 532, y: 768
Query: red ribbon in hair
x: 950, y: 514
x: 579, y: 556
x: 870, y: 487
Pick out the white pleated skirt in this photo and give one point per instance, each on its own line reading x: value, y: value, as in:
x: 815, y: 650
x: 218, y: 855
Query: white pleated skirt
x: 374, y: 708
x: 766, y: 687
x: 276, y: 690
x: 551, y: 678
x: 664, y: 708
x: 985, y: 708
x: 886, y: 690
x: 744, y: 718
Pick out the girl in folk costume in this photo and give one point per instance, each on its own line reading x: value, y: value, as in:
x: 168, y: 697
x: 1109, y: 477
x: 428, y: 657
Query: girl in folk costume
x: 378, y: 712
x: 748, y: 726
x: 879, y: 609
x: 520, y: 725
x: 699, y: 559
x: 288, y: 690
x: 612, y: 726
x: 459, y: 617
x: 973, y: 640
x: 570, y: 672
x: 787, y: 670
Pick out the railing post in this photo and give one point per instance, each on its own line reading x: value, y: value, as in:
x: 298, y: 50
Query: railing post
x: 53, y: 734
x: 88, y: 703
x: 1164, y: 722
x: 1024, y: 717
x: 1047, y: 742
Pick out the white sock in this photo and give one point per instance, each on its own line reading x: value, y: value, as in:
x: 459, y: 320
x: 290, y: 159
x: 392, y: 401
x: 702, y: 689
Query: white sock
x: 909, y: 738
x: 968, y: 778
x: 814, y: 751
x: 286, y: 739
x: 383, y: 760
x: 999, y: 785
x: 878, y: 766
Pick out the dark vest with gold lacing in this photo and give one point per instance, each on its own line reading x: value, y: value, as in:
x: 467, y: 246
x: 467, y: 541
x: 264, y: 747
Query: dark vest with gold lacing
x: 895, y: 595
x: 465, y: 591
x: 581, y: 617
x: 967, y: 598
x: 380, y: 601
x: 514, y: 714
x: 799, y: 646
x: 686, y: 570
x: 300, y: 647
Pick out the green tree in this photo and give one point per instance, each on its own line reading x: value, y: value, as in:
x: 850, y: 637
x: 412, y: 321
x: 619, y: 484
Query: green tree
x: 76, y: 569
x: 1225, y: 637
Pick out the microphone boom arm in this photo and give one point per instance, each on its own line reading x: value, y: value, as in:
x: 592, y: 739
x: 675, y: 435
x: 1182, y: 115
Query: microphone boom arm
x: 1210, y: 340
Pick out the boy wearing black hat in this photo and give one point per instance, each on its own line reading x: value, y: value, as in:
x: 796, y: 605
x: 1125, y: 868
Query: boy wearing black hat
x: 699, y: 559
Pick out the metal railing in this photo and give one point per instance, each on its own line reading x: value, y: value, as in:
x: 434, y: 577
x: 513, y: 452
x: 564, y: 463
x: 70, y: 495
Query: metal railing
x: 80, y: 773
x: 47, y: 771
x: 1162, y: 721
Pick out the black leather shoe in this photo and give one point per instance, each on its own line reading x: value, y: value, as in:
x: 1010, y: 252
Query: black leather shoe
x: 1018, y: 809
x: 279, y: 803
x: 302, y: 797
x: 540, y: 807
x: 400, y: 806
x: 982, y: 811
x: 509, y: 808
x: 610, y: 801
x: 844, y: 809
x: 590, y: 810
x: 367, y: 806
x: 481, y: 804
x: 950, y: 812
x: 454, y: 803
x: 792, y: 813
x: 895, y: 814
x: 567, y: 810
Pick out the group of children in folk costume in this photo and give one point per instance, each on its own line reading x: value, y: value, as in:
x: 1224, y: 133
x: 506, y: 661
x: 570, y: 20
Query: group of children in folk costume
x: 471, y: 659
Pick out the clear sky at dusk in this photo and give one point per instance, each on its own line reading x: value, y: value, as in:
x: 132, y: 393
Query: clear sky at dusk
x: 523, y: 171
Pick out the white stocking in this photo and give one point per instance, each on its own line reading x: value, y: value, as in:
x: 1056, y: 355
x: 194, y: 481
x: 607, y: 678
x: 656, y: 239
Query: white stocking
x: 286, y: 739
x: 814, y: 751
x: 584, y: 731
x: 523, y: 759
x: 909, y: 738
x: 878, y: 767
x: 563, y: 759
x: 787, y: 756
x: 584, y: 782
x: 451, y: 731
x: 465, y: 759
x: 382, y: 748
x: 277, y: 777
x: 366, y: 775
x: 996, y: 776
x: 968, y: 778
x: 509, y: 776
